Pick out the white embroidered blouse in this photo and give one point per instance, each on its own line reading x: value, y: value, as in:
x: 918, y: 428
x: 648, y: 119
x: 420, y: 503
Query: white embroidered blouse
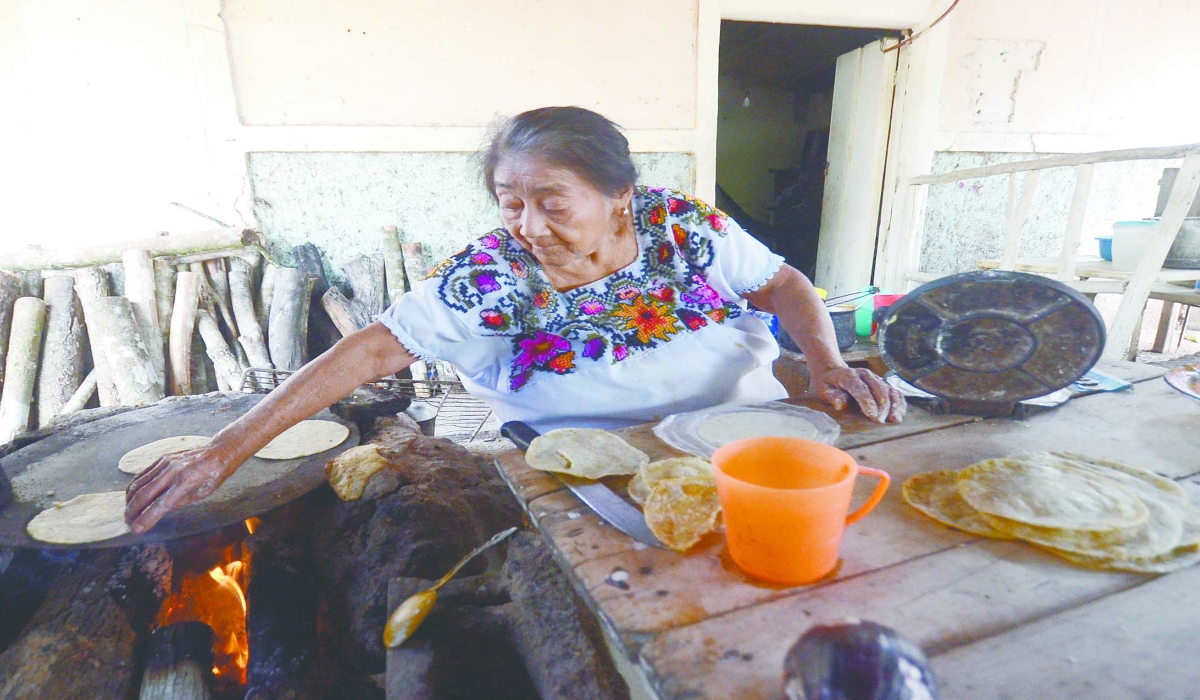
x: 666, y: 334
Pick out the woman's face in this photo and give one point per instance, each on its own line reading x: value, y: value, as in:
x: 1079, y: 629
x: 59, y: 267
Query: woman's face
x: 554, y: 213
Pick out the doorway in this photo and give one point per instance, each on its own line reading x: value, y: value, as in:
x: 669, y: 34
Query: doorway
x: 781, y: 91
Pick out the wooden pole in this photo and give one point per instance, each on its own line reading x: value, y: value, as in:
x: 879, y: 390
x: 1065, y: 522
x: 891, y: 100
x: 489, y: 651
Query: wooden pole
x: 140, y: 291
x: 25, y: 344
x: 10, y: 289
x: 393, y: 264
x: 126, y: 353
x: 1083, y: 189
x: 38, y: 258
x: 81, y: 396
x: 1018, y: 214
x: 229, y: 372
x: 179, y: 662
x: 91, y: 284
x: 61, y: 370
x: 288, y: 324
x: 242, y: 298
x: 347, y: 314
x: 183, y: 322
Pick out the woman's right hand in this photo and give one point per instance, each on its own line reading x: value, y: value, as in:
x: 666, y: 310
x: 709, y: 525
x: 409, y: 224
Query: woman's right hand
x: 174, y: 481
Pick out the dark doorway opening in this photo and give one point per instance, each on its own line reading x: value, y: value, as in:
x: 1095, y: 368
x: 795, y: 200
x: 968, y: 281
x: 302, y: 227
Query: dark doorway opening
x: 775, y: 104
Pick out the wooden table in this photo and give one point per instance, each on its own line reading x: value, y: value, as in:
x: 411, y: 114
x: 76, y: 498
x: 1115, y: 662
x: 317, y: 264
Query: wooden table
x: 999, y: 618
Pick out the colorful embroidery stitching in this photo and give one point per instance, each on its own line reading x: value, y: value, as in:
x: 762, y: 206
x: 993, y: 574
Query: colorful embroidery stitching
x: 664, y: 294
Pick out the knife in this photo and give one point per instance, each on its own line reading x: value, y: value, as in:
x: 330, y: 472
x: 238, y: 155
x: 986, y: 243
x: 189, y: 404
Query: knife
x: 608, y: 505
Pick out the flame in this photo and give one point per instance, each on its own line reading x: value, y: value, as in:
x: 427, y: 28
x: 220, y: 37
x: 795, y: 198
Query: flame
x: 217, y: 598
x: 252, y: 525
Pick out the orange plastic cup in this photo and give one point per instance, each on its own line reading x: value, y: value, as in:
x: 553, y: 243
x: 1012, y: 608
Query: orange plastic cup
x: 785, y: 504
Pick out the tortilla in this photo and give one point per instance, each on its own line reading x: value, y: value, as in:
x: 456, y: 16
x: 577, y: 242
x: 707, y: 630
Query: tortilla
x: 1178, y: 558
x: 305, y: 438
x: 672, y: 468
x: 1042, y: 493
x: 584, y: 452
x: 139, y: 460
x: 91, y: 517
x: 725, y: 428
x: 936, y: 495
x: 682, y: 511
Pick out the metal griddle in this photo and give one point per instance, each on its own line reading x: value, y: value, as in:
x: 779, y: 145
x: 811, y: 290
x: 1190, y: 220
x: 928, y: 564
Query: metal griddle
x: 84, y: 459
x: 984, y: 341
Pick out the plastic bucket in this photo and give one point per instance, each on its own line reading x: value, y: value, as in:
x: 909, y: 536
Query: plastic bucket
x: 1105, y: 247
x: 882, y: 301
x: 786, y: 503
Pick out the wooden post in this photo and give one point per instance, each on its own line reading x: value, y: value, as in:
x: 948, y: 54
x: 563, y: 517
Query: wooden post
x: 1018, y: 212
x: 21, y: 365
x: 251, y: 338
x: 127, y: 355
x: 229, y: 372
x: 61, y: 369
x: 10, y: 289
x: 1070, y: 249
x: 288, y: 324
x: 365, y: 274
x: 393, y: 264
x: 179, y: 662
x: 81, y: 396
x: 140, y: 291
x: 347, y: 314
x: 91, y: 284
x: 1158, y: 244
x: 183, y: 322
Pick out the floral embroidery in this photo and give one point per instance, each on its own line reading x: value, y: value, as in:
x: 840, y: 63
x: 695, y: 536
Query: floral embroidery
x: 632, y: 311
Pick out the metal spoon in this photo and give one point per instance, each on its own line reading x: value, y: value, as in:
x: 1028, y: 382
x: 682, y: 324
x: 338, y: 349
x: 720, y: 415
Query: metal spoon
x: 409, y: 615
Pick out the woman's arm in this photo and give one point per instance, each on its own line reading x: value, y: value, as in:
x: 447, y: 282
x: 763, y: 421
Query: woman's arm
x: 178, y: 479
x: 790, y: 296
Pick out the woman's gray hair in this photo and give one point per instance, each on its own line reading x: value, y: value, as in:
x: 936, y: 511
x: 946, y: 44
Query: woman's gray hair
x: 578, y: 139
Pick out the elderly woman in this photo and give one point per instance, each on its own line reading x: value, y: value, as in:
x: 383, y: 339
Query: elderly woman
x: 598, y: 304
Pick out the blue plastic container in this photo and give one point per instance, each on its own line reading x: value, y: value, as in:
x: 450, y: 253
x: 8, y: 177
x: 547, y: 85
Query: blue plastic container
x: 1105, y: 247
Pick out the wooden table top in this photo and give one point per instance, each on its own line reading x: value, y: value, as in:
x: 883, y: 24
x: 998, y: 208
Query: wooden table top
x: 699, y: 628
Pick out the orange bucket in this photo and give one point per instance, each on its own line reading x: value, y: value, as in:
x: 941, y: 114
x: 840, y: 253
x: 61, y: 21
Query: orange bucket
x: 785, y: 503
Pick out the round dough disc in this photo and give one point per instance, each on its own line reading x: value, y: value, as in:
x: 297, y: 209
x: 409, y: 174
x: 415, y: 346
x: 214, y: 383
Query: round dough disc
x: 305, y: 438
x: 725, y: 428
x: 91, y: 517
x: 139, y: 460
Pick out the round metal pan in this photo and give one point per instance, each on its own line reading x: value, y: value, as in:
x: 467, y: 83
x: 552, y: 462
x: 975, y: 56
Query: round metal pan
x: 84, y: 459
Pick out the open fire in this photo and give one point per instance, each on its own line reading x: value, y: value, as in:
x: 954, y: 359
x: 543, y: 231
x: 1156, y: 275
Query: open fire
x: 217, y: 598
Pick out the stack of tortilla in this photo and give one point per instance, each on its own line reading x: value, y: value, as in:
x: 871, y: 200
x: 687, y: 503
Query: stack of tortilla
x: 1094, y: 512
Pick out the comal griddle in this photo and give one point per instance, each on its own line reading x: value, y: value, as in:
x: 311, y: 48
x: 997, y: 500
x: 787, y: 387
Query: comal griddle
x: 83, y: 459
x: 984, y: 341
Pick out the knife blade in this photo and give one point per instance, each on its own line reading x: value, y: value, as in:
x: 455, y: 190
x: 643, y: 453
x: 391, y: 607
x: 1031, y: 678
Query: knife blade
x: 608, y: 505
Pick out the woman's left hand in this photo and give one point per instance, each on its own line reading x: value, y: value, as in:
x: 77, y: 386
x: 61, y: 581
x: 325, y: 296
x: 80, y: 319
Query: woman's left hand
x: 879, y: 401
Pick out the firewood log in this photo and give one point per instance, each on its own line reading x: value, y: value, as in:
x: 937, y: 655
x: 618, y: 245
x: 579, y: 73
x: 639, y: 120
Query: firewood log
x: 10, y: 289
x: 38, y: 258
x: 91, y: 284
x: 125, y: 352
x: 288, y: 326
x: 61, y: 370
x: 179, y: 662
x: 393, y: 264
x: 164, y: 297
x: 365, y: 275
x: 322, y: 332
x: 281, y: 625
x: 347, y: 314
x: 266, y: 295
x: 251, y: 338
x: 229, y: 371
x: 183, y: 323
x: 25, y: 345
x: 31, y: 283
x: 140, y: 291
x: 82, y: 395
x: 416, y: 268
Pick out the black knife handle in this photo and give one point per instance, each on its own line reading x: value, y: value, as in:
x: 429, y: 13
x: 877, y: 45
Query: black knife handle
x: 520, y: 433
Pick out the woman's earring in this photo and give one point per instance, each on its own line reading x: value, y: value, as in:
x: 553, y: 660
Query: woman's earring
x: 624, y: 212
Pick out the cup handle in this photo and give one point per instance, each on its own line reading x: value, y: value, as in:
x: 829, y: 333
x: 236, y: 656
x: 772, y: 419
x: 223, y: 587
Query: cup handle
x: 880, y: 489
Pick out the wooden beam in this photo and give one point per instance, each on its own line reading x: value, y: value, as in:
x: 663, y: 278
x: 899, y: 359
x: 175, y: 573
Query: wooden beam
x: 38, y: 258
x: 1018, y: 213
x: 1063, y: 161
x: 1070, y: 249
x: 1158, y: 244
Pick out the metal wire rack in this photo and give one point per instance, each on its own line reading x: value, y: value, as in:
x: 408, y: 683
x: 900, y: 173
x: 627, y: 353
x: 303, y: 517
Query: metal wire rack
x: 459, y: 416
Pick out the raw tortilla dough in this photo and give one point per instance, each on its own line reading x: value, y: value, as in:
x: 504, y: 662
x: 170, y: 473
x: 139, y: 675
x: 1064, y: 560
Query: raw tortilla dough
x: 305, y: 438
x: 139, y: 460
x: 724, y: 428
x: 91, y: 517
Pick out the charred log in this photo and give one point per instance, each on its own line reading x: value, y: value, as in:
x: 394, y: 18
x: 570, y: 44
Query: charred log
x: 179, y: 661
x: 281, y: 624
